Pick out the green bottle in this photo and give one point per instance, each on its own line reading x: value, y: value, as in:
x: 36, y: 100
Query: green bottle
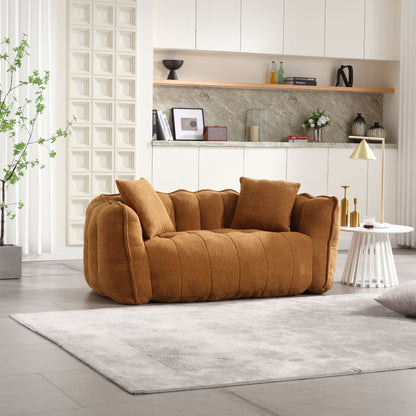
x: 281, y: 74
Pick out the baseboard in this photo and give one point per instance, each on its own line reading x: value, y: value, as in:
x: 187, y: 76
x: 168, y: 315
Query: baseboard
x: 60, y: 253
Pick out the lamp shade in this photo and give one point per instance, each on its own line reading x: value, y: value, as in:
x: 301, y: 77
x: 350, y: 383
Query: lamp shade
x: 363, y: 151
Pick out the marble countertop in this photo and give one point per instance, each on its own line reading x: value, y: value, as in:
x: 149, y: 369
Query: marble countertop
x: 265, y: 144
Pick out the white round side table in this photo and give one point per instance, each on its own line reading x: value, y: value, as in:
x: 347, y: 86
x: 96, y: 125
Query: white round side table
x: 370, y: 261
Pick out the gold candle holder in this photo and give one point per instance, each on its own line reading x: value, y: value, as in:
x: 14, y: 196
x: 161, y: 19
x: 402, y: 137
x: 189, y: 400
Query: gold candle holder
x: 355, y: 216
x: 345, y: 205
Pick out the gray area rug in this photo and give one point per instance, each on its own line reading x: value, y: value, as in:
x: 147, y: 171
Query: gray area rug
x: 167, y: 347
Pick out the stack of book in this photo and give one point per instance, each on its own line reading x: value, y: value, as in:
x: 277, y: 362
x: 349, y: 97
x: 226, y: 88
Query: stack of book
x: 160, y: 128
x: 300, y: 80
x: 298, y: 139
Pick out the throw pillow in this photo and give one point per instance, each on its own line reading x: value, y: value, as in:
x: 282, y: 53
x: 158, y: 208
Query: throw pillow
x: 264, y: 204
x: 141, y: 196
x: 401, y: 299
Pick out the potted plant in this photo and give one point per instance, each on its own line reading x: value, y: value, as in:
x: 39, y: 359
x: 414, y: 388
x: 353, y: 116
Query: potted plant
x: 17, y: 120
x: 316, y: 122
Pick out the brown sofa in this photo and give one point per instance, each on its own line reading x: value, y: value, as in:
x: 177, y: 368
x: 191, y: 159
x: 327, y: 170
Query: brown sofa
x: 203, y: 258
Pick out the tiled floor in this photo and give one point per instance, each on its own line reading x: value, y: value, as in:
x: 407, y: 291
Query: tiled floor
x: 39, y: 378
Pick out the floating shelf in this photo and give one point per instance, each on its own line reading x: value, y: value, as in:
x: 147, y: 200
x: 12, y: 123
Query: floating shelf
x: 253, y: 85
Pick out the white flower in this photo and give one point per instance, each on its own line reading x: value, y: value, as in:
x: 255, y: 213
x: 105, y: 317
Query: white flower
x: 312, y: 125
x: 322, y: 121
x: 310, y: 121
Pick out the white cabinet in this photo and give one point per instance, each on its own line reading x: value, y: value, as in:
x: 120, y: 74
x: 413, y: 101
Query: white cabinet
x: 390, y: 186
x: 265, y: 163
x: 344, y: 28
x: 220, y: 168
x: 304, y: 26
x: 218, y: 25
x: 308, y: 166
x: 174, y: 24
x: 262, y: 26
x: 382, y: 29
x: 175, y: 168
x: 345, y: 171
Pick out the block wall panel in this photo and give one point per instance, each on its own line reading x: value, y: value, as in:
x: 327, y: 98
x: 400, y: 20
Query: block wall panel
x: 102, y: 95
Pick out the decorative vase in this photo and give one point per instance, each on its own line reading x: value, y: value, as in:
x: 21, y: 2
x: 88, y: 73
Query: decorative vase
x: 358, y: 126
x: 255, y: 124
x: 172, y: 65
x: 316, y: 135
x: 376, y: 130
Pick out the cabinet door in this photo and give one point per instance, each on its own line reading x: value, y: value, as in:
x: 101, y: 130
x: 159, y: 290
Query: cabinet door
x: 220, y: 168
x: 344, y: 28
x: 262, y: 26
x: 174, y: 24
x: 218, y: 25
x: 265, y: 163
x: 345, y: 171
x: 382, y: 29
x: 304, y: 25
x: 310, y: 168
x: 175, y: 168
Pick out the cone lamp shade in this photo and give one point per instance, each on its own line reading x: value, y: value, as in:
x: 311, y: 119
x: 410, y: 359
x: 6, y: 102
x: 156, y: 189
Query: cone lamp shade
x: 363, y: 152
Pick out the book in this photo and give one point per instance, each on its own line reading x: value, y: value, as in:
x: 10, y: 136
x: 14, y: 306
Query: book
x: 154, y: 124
x: 293, y: 139
x: 300, y: 79
x: 300, y: 82
x: 164, y: 130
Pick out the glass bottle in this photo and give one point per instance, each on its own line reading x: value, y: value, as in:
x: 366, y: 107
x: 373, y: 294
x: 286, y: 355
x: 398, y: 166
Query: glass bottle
x: 281, y: 74
x: 273, y: 73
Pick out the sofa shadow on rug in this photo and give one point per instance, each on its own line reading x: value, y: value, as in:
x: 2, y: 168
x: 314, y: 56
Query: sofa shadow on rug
x: 184, y: 246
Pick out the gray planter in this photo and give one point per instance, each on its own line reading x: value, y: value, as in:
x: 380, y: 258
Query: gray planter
x: 10, y: 262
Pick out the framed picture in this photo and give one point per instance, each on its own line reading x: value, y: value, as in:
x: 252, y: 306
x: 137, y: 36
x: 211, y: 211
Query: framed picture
x: 188, y: 123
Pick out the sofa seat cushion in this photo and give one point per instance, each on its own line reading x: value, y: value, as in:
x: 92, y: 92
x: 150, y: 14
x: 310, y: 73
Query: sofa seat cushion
x: 227, y: 263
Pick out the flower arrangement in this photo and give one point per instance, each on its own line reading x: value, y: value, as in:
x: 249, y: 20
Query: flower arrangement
x: 317, y: 120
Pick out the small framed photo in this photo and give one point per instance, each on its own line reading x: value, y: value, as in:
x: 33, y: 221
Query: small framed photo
x: 188, y: 123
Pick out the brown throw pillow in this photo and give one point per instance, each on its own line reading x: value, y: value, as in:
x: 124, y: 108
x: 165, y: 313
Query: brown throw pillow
x: 265, y: 205
x: 141, y: 196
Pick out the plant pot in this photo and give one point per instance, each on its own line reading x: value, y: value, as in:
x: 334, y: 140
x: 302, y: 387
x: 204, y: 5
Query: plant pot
x: 10, y: 262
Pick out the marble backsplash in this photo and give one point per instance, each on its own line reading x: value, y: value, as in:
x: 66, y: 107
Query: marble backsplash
x: 285, y: 110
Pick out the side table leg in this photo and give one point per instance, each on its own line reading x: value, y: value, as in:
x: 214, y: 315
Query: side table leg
x: 370, y: 262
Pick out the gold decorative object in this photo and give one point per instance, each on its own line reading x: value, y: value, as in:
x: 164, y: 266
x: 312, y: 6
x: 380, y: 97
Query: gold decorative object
x: 355, y: 216
x: 364, y: 152
x: 345, y: 205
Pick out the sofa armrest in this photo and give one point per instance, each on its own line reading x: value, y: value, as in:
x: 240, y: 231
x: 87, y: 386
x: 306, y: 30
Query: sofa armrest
x: 115, y: 258
x: 318, y: 217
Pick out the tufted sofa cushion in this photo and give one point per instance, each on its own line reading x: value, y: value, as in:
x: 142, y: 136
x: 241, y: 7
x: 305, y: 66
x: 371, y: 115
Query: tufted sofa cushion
x: 226, y: 263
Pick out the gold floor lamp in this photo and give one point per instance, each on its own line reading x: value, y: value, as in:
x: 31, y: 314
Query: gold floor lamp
x: 364, y: 152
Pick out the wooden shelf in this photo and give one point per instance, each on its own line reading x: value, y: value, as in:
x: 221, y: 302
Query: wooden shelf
x: 253, y: 85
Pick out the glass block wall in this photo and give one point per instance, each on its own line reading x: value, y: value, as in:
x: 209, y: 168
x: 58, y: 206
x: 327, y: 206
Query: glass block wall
x: 102, y: 96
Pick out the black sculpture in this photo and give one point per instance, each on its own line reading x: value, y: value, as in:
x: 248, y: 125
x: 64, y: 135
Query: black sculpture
x: 340, y: 73
x: 173, y: 65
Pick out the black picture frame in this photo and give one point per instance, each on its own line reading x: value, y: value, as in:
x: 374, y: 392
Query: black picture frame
x: 188, y: 124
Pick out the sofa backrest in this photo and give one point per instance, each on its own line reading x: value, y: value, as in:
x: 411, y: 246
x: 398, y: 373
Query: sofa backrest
x: 206, y: 209
x: 200, y: 210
